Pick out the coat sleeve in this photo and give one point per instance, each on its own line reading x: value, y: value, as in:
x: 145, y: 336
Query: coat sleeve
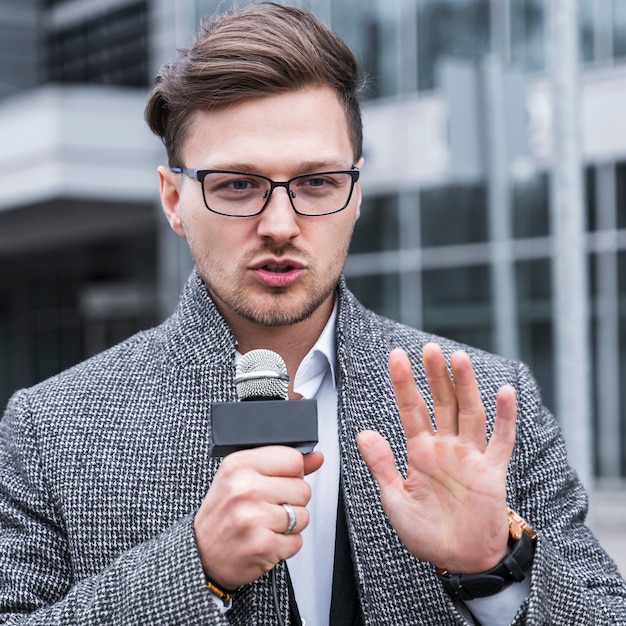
x: 157, y: 582
x: 573, y: 580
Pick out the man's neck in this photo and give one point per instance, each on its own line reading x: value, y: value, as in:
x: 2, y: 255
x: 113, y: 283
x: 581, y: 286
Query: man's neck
x: 291, y: 342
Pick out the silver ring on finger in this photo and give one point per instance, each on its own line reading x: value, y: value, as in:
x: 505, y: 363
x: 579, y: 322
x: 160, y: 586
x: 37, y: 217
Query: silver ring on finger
x: 291, y: 514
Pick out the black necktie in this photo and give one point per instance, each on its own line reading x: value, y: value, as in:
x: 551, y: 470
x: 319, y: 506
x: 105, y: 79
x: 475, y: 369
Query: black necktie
x: 345, y: 609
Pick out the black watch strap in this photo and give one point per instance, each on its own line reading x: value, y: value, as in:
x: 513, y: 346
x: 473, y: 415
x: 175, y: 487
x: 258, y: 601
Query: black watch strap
x: 512, y: 568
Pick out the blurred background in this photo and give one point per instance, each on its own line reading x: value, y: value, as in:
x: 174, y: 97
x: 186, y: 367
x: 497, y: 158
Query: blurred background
x: 494, y: 190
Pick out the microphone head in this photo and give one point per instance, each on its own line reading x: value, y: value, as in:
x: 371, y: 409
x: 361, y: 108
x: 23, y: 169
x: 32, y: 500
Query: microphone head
x: 261, y: 374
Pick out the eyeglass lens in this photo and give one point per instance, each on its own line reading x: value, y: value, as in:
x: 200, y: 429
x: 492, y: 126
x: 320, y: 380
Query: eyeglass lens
x: 246, y: 194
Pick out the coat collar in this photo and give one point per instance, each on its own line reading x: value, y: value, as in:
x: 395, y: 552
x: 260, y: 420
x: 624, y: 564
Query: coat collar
x: 198, y: 334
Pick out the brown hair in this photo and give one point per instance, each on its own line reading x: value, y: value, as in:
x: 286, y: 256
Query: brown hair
x: 262, y: 49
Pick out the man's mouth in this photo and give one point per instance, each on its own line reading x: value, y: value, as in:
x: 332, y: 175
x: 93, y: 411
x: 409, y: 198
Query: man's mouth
x: 275, y: 273
x: 278, y: 269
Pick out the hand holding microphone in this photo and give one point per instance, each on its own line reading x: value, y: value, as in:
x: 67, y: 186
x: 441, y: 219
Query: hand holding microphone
x: 241, y: 524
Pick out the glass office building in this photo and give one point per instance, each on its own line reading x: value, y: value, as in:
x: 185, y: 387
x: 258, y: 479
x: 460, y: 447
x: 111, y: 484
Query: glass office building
x: 423, y: 250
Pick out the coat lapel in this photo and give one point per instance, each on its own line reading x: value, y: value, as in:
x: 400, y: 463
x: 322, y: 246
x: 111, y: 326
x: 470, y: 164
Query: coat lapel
x: 394, y: 587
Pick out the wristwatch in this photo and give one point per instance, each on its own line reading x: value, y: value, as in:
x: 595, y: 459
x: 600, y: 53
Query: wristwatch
x: 512, y: 568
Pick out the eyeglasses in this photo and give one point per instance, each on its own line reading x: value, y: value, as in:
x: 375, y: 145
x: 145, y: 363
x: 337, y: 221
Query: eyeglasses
x: 239, y: 194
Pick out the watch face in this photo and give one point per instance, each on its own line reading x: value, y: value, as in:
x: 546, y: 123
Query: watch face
x: 518, y: 525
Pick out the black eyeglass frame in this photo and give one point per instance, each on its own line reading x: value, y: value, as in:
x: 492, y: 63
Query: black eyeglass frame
x: 200, y: 175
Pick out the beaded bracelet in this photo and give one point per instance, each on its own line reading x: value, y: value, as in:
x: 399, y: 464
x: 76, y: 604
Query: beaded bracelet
x: 225, y: 595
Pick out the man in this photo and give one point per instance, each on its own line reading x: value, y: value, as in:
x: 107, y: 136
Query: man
x: 111, y: 507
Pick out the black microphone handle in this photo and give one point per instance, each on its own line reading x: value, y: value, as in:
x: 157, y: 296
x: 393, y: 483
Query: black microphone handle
x: 263, y: 422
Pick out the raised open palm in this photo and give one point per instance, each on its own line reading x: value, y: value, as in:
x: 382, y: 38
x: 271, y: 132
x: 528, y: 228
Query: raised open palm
x: 451, y: 509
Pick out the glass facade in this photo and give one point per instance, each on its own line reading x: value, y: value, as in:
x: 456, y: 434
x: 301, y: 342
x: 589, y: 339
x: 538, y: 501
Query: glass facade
x: 400, y: 43
x: 451, y: 237
x: 421, y: 254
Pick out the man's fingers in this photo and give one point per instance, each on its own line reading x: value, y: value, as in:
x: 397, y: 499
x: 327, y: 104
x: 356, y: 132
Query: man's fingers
x: 413, y: 411
x: 271, y: 474
x: 282, y: 519
x: 471, y: 414
x: 378, y: 457
x: 268, y: 460
x: 313, y: 461
x: 442, y: 389
x: 500, y: 447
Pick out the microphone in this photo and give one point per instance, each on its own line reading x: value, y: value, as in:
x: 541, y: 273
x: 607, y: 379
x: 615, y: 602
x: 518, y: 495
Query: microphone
x: 261, y: 375
x: 263, y: 416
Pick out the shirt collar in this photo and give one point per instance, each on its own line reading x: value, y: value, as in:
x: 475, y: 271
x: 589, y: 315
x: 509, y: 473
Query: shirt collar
x: 318, y: 361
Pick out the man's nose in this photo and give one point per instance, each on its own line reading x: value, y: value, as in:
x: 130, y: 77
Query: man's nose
x: 278, y: 220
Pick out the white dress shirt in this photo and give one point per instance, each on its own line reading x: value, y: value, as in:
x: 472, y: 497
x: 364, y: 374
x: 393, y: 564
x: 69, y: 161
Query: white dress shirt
x: 311, y: 569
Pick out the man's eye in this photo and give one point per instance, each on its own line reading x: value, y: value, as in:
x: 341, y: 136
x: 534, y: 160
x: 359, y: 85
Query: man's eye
x: 240, y: 185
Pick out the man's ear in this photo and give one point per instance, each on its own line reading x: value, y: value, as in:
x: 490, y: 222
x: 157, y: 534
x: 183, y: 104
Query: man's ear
x: 169, y: 188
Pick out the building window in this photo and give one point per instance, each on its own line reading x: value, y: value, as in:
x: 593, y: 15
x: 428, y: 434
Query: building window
x: 620, y: 172
x: 527, y: 34
x: 587, y: 29
x: 450, y: 28
x: 111, y: 49
x: 370, y: 29
x: 57, y: 309
x: 621, y: 261
x: 454, y: 215
x: 457, y: 304
x: 534, y: 299
x: 377, y: 227
x: 380, y: 293
x: 619, y: 29
x: 531, y: 207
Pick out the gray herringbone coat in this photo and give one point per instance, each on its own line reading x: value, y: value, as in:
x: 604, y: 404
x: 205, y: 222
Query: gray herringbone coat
x: 103, y: 466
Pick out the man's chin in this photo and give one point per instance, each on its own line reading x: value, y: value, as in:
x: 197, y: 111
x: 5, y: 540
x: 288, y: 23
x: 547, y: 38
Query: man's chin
x: 276, y: 317
x: 271, y: 309
x: 280, y: 311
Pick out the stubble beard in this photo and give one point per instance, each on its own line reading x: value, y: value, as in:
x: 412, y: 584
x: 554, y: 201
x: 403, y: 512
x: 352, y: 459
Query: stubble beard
x: 278, y: 313
x: 275, y: 307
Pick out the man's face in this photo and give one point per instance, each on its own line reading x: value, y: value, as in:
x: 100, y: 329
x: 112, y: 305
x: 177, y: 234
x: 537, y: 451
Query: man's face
x: 277, y: 268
